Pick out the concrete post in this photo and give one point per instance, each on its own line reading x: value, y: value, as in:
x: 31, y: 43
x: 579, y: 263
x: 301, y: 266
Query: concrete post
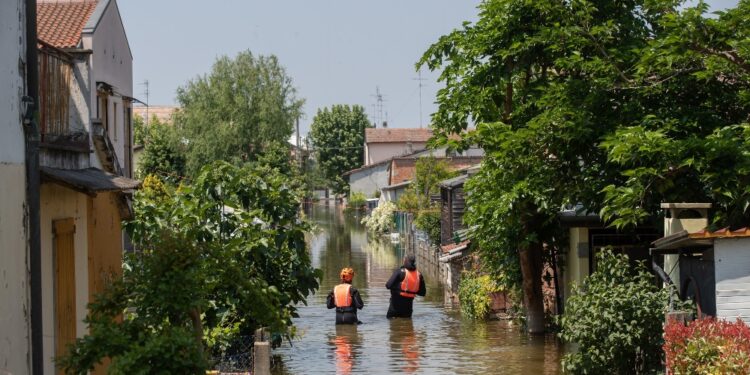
x: 262, y: 358
x: 261, y: 354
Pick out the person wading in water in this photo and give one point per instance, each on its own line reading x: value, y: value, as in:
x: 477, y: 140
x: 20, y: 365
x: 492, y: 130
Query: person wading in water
x: 346, y: 299
x: 405, y: 284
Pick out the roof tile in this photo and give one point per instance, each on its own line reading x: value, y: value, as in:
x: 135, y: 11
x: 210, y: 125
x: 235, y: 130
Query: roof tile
x: 60, y: 23
x: 386, y: 135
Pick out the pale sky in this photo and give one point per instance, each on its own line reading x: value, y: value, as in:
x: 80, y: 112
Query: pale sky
x: 336, y: 51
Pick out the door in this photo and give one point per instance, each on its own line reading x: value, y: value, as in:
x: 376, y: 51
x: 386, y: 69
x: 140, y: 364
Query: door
x: 65, y: 285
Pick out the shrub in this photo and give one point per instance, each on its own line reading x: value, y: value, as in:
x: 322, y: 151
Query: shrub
x: 615, y: 319
x: 380, y: 219
x: 429, y: 222
x: 474, y: 294
x: 357, y: 200
x: 707, y: 346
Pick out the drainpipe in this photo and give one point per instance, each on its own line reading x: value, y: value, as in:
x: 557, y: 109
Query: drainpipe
x: 31, y: 132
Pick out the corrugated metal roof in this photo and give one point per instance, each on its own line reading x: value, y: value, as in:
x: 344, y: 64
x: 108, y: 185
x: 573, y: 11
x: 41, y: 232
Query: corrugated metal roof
x: 89, y: 181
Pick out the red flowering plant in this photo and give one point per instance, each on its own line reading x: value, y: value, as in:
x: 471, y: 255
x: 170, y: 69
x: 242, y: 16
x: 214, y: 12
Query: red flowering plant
x: 707, y: 346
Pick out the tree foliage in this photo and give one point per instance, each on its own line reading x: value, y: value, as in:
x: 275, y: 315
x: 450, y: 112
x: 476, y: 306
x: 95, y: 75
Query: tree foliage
x: 613, y: 105
x: 615, y: 319
x: 163, y: 150
x: 338, y: 137
x: 234, y: 112
x: 218, y: 257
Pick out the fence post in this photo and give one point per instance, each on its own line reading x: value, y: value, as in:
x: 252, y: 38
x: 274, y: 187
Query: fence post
x: 261, y: 354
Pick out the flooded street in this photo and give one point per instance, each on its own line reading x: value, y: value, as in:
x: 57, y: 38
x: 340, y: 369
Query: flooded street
x: 435, y: 341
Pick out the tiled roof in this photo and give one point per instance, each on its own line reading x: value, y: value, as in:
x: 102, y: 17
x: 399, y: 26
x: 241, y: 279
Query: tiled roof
x: 721, y: 233
x: 389, y: 135
x: 455, y: 246
x: 61, y: 22
x: 163, y: 112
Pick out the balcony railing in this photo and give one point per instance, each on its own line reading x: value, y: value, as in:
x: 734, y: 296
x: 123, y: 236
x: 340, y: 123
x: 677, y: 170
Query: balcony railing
x: 55, y: 72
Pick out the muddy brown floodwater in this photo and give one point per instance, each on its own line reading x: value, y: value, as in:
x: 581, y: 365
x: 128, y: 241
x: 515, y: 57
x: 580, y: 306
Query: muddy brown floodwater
x: 435, y: 341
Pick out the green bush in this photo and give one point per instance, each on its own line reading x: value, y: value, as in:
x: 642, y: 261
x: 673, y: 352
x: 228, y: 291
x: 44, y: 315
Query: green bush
x: 429, y: 222
x: 615, y: 320
x: 357, y: 200
x: 474, y: 294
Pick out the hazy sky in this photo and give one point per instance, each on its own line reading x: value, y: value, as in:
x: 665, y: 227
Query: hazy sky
x: 336, y: 51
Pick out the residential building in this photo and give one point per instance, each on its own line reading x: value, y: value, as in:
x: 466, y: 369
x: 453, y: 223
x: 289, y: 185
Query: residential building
x: 15, y: 324
x: 86, y: 88
x: 164, y: 113
x: 372, y: 178
x: 383, y: 144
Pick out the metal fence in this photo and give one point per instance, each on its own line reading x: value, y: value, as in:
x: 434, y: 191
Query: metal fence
x: 236, y: 357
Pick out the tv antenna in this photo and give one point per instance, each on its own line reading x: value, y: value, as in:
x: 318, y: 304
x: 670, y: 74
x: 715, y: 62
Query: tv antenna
x: 419, y: 79
x: 145, y: 93
x: 378, y: 106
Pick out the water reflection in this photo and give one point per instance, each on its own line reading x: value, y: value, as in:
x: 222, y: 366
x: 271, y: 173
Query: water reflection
x: 405, y: 345
x: 435, y: 341
x: 346, y: 345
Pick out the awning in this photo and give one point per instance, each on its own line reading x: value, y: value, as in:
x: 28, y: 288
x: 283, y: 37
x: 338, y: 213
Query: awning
x: 88, y: 181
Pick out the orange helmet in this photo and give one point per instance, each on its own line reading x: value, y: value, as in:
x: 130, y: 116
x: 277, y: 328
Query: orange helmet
x: 347, y: 274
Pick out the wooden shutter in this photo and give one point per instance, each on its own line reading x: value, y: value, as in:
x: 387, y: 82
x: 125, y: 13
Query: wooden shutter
x: 65, y: 285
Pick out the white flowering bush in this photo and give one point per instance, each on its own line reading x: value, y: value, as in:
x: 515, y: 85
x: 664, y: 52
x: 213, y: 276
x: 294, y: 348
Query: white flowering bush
x: 381, y: 218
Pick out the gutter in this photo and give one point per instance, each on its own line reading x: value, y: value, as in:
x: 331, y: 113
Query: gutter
x: 31, y: 134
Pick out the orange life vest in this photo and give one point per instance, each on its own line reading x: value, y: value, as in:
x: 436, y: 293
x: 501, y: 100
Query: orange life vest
x: 341, y: 295
x: 410, y: 285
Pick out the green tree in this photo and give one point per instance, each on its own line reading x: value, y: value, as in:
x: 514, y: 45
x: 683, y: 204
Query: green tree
x: 238, y: 109
x: 565, y: 96
x: 218, y: 258
x: 693, y: 141
x: 338, y: 137
x: 163, y: 151
x: 429, y: 171
x: 615, y: 319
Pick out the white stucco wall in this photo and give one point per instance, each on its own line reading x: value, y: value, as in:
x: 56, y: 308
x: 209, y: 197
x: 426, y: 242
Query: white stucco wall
x: 370, y: 180
x: 732, y: 260
x: 58, y: 202
x: 111, y: 61
x: 377, y: 152
x: 15, y: 344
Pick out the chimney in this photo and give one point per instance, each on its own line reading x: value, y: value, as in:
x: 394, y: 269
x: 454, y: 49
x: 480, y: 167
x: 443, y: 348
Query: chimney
x: 691, y: 217
x: 385, y: 124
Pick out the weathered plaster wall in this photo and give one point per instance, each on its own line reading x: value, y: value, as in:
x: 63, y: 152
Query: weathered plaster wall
x: 58, y: 202
x: 370, y: 180
x: 111, y: 62
x: 15, y: 344
x: 576, y: 266
x: 376, y: 152
x: 732, y: 260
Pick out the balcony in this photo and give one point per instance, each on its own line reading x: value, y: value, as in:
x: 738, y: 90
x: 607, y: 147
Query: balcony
x: 63, y: 145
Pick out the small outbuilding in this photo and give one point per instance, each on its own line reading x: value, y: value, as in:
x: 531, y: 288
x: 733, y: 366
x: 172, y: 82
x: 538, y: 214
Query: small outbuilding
x: 714, y: 270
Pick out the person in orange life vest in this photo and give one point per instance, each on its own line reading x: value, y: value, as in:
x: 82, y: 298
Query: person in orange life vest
x: 345, y: 299
x: 405, y: 284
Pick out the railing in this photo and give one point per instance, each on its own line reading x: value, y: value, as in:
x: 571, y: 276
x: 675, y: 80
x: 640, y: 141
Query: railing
x: 55, y: 72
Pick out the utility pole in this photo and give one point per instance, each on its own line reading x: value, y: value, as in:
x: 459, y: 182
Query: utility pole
x: 420, y: 80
